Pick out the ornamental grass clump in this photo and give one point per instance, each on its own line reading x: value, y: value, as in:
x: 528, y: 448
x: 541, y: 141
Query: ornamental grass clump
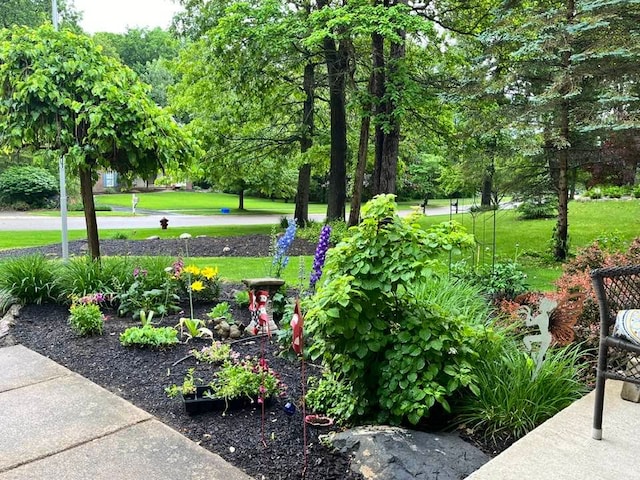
x: 510, y: 400
x: 30, y: 279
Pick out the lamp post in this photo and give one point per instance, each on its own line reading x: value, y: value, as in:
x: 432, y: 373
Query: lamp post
x: 61, y: 167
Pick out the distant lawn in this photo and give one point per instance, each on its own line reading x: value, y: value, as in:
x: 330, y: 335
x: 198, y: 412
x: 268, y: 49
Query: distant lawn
x: 19, y: 239
x: 529, y: 241
x: 203, y: 203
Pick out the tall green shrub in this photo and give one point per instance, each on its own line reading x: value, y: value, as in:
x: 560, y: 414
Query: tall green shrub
x: 401, y: 354
x: 32, y: 185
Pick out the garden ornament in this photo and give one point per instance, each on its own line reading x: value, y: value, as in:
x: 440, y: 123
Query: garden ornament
x: 541, y: 320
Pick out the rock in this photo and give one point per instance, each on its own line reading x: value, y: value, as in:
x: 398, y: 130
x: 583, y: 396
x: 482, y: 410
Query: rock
x: 235, y: 332
x: 392, y: 453
x: 223, y: 329
x: 226, y: 249
x: 8, y: 319
x: 201, y: 236
x: 153, y: 237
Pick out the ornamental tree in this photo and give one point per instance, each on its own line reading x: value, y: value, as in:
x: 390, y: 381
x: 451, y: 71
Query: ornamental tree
x: 58, y: 92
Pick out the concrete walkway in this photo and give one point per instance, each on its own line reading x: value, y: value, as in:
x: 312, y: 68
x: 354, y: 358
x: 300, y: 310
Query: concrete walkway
x: 55, y: 424
x: 562, y: 447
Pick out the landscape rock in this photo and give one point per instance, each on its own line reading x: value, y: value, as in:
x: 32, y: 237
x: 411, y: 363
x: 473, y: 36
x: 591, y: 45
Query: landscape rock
x: 392, y: 453
x: 153, y: 237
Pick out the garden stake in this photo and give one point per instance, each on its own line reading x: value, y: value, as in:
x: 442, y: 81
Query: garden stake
x: 298, y: 346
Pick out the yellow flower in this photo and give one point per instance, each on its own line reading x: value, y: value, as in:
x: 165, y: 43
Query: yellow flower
x: 209, y: 272
x: 197, y: 286
x: 192, y: 269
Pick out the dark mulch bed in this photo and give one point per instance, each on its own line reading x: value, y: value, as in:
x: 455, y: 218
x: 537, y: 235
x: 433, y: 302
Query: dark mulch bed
x: 140, y: 376
x: 242, y: 246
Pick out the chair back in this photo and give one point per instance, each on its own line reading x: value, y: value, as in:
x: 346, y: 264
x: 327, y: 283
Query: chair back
x: 616, y: 288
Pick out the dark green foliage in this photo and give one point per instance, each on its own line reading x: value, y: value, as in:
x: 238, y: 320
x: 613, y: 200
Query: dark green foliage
x: 311, y: 232
x: 511, y: 401
x: 30, y: 279
x: 332, y: 396
x: 31, y: 185
x: 502, y: 280
x: 149, y: 336
x: 400, y: 352
x: 535, y: 208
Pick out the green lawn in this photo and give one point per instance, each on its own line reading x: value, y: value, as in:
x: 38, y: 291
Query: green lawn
x: 528, y: 241
x: 202, y: 203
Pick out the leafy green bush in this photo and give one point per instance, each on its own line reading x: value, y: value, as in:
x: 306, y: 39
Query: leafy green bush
x: 510, y: 400
x: 503, y: 280
x: 614, y: 191
x: 331, y: 395
x: 247, y: 378
x: 149, y: 336
x: 30, y: 279
x: 535, y: 208
x: 222, y: 311
x: 86, y: 318
x: 33, y: 185
x: 369, y: 325
x: 594, y: 193
x: 148, y: 287
x: 311, y: 232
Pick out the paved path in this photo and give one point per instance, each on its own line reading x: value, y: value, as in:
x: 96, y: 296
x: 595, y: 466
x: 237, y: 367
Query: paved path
x: 55, y: 424
x: 21, y: 221
x: 562, y: 447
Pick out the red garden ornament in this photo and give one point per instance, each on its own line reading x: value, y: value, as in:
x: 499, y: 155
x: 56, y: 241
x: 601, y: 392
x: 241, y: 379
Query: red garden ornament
x: 296, y: 326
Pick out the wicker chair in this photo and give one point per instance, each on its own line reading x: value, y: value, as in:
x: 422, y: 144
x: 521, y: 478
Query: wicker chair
x: 616, y: 288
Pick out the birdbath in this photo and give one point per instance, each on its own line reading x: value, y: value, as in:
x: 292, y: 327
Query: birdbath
x: 261, y: 290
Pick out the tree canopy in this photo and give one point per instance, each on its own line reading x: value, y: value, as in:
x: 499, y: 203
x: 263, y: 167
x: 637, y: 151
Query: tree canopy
x: 59, y: 92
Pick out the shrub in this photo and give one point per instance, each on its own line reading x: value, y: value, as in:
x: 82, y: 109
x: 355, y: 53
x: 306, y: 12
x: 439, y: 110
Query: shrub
x: 149, y: 289
x: 535, y: 208
x: 31, y: 185
x: 332, y: 396
x: 86, y: 318
x: 311, y: 232
x: 510, y: 400
x: 149, y: 336
x: 502, y: 280
x: 395, y: 349
x: 30, y: 279
x: 594, y: 193
x: 248, y: 378
x: 218, y: 352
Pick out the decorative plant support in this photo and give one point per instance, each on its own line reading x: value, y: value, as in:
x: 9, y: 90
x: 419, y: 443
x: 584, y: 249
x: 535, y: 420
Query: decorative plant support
x: 541, y: 320
x: 297, y: 343
x: 260, y: 290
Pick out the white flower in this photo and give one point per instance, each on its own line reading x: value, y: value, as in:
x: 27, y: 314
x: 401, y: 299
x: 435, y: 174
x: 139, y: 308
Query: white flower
x: 185, y: 236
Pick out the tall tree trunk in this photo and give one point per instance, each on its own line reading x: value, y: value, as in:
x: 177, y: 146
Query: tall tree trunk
x: 388, y: 167
x: 487, y: 186
x: 337, y: 64
x: 561, y: 247
x: 358, y: 181
x: 86, y: 192
x: 378, y: 92
x: 306, y: 141
x: 241, y: 198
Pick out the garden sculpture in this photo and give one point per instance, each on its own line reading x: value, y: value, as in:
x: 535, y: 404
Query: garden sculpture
x: 541, y: 320
x: 261, y: 320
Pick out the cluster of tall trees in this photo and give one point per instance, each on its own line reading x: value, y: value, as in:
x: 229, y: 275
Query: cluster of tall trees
x: 358, y: 97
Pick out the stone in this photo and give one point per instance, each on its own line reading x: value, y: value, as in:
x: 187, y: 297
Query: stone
x: 630, y: 392
x: 201, y: 236
x: 392, y: 453
x: 153, y: 237
x: 235, y: 332
x: 226, y: 249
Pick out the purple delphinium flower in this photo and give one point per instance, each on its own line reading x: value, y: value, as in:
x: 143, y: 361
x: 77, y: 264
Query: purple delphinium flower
x: 281, y: 259
x: 320, y: 255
